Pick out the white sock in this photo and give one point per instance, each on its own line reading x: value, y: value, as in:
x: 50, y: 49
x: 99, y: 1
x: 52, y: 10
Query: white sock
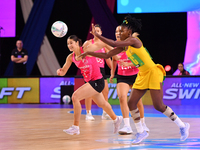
x: 139, y: 127
x: 104, y: 112
x: 77, y: 127
x: 142, y: 120
x: 127, y: 122
x: 115, y: 120
x: 89, y: 112
x: 179, y: 123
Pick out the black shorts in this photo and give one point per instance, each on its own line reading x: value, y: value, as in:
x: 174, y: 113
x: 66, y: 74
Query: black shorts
x: 126, y: 79
x: 103, y: 72
x: 98, y: 84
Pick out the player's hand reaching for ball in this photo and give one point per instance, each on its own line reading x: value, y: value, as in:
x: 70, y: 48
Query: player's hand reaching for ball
x: 93, y: 32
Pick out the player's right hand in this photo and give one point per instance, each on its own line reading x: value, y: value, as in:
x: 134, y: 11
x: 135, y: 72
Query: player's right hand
x: 111, y: 79
x: 59, y: 72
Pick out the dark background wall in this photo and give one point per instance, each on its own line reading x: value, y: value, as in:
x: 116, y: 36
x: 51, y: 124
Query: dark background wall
x: 163, y: 34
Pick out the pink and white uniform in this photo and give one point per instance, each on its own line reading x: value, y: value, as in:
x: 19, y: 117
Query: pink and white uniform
x: 100, y: 61
x: 125, y: 71
x: 88, y: 67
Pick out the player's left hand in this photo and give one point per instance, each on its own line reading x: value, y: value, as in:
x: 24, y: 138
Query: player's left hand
x: 123, y: 63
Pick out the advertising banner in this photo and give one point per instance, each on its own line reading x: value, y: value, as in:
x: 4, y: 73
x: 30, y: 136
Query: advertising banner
x: 176, y: 90
x: 50, y: 88
x: 181, y: 91
x: 78, y: 83
x: 3, y: 90
x: 8, y: 18
x: 22, y: 90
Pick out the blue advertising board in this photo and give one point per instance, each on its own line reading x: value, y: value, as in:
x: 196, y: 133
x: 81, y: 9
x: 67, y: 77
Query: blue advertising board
x: 181, y: 90
x: 50, y: 88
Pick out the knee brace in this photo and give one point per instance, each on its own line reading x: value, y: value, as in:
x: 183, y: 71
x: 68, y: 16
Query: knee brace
x: 135, y: 115
x: 169, y: 113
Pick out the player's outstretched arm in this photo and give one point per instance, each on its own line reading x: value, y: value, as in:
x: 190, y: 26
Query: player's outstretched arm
x: 129, y: 41
x: 102, y: 55
x: 62, y: 71
x: 94, y: 47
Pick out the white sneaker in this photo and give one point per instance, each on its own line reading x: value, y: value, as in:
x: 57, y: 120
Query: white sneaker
x: 117, y: 123
x: 73, y: 130
x: 105, y: 116
x: 89, y: 117
x: 125, y: 130
x: 140, y: 137
x: 185, y: 132
x: 145, y: 127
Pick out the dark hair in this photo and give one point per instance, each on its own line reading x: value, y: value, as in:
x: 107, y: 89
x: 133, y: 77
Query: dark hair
x: 184, y: 72
x: 181, y: 64
x: 132, y: 23
x: 75, y: 38
x: 97, y: 25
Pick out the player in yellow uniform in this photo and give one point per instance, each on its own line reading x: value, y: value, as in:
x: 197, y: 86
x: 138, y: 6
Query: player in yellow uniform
x: 146, y: 79
x: 150, y: 75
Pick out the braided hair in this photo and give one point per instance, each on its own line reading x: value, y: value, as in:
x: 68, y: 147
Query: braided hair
x: 132, y: 23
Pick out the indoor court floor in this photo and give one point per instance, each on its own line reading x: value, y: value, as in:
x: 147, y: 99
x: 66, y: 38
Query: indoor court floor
x: 40, y: 127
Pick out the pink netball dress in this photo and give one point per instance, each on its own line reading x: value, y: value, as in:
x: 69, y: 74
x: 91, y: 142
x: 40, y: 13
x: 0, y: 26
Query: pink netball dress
x: 125, y: 71
x: 100, y: 61
x: 88, y: 67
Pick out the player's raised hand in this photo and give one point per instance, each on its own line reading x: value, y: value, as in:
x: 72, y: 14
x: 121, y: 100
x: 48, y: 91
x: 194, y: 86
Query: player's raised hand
x: 93, y: 32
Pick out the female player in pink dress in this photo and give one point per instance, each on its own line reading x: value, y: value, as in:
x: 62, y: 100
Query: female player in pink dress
x: 101, y: 64
x: 94, y: 84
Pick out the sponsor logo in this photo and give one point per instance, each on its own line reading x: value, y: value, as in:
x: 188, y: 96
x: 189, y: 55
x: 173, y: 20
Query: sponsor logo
x: 8, y: 91
x: 57, y: 90
x: 182, y: 91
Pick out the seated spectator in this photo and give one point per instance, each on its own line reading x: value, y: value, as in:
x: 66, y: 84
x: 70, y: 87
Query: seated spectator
x: 182, y: 70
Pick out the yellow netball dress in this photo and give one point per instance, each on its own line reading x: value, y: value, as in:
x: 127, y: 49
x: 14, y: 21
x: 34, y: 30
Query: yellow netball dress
x: 150, y: 75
